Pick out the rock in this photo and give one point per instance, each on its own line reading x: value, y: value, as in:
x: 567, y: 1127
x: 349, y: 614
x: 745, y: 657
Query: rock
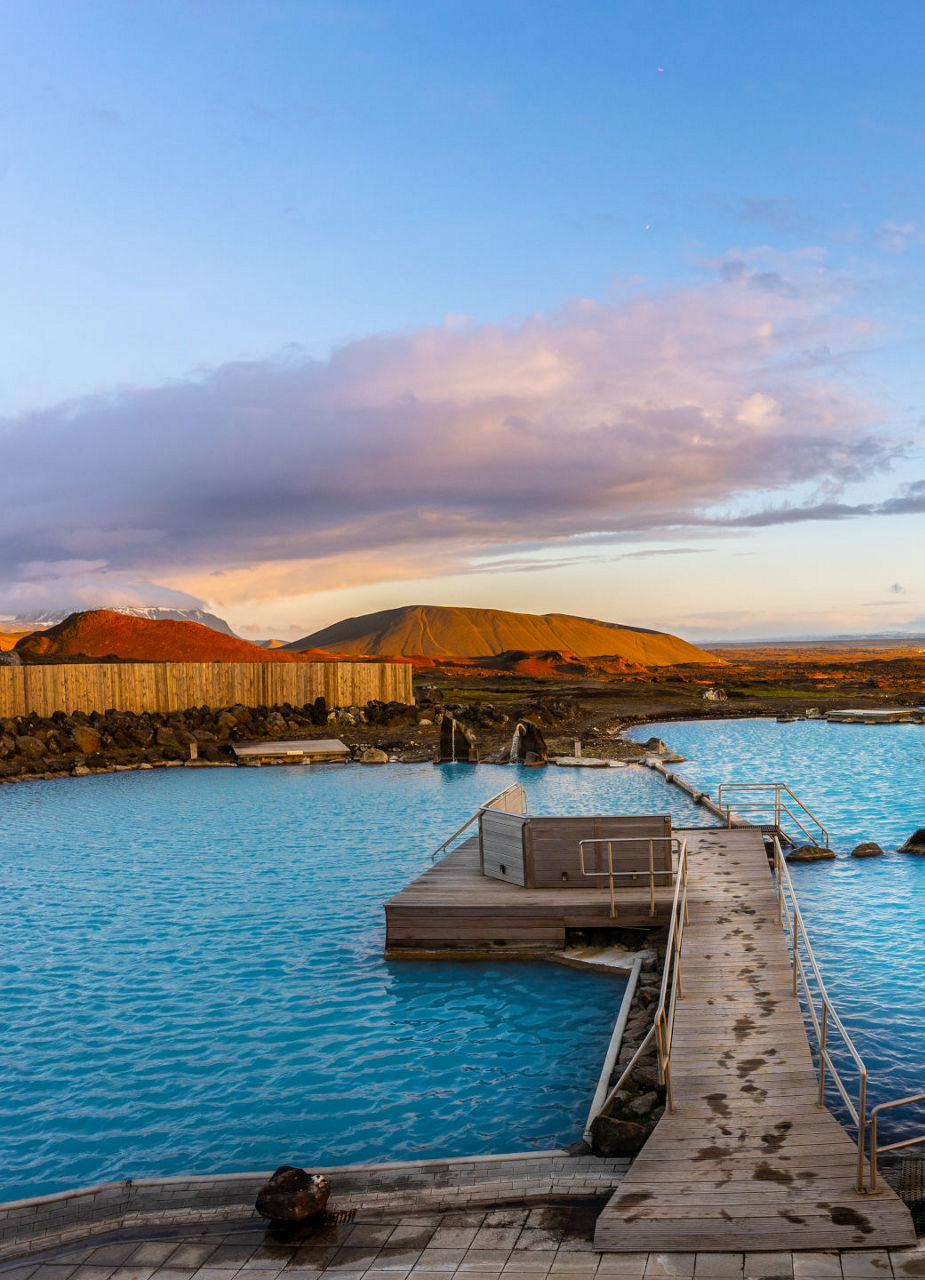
x: 80, y: 771
x: 611, y: 1137
x: 372, y: 755
x: 528, y: 740
x: 30, y: 747
x: 915, y: 843
x: 812, y: 853
x: 714, y: 695
x: 655, y: 745
x: 292, y: 1195
x: 869, y: 849
x: 644, y: 1104
x: 672, y: 757
x: 813, y: 713
x: 8, y: 658
x: 457, y: 743
x: 531, y: 760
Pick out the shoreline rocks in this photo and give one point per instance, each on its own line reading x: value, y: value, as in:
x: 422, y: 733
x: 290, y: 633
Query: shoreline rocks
x: 915, y: 844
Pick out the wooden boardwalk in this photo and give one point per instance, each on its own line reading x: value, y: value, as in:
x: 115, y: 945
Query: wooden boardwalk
x: 748, y: 1160
x: 453, y: 907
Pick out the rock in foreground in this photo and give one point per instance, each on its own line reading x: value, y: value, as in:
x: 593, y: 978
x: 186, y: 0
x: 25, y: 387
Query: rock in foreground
x: 292, y: 1195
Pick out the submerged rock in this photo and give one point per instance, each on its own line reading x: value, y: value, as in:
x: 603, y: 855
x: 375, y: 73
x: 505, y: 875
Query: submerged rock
x: 869, y: 849
x: 292, y: 1195
x: 811, y: 853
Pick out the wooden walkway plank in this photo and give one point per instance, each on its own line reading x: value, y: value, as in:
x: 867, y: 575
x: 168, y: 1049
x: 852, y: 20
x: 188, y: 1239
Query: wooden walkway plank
x: 749, y: 1160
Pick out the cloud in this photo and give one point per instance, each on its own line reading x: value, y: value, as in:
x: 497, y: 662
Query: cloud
x: 897, y: 236
x: 447, y: 443
x: 74, y: 584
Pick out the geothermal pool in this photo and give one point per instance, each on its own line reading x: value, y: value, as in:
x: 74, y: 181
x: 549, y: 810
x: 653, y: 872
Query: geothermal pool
x: 194, y: 982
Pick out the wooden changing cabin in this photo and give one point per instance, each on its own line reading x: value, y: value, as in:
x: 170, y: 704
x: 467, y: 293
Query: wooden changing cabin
x: 519, y: 883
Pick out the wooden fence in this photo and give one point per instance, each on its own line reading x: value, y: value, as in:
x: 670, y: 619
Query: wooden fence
x: 174, y: 686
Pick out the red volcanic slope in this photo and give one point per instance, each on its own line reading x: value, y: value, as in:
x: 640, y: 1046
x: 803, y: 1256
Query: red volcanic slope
x: 102, y: 633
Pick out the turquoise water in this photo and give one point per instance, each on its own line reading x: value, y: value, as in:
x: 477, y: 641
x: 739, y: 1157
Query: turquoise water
x: 193, y: 977
x: 866, y: 918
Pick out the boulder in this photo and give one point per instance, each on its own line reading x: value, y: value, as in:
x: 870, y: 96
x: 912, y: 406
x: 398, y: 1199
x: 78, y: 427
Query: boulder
x: 812, y: 853
x: 655, y: 745
x: 30, y: 747
x: 869, y: 849
x: 528, y: 740
x: 915, y: 843
x: 714, y: 695
x: 292, y: 1195
x: 8, y: 658
x: 456, y: 743
x: 610, y: 1137
x: 372, y: 755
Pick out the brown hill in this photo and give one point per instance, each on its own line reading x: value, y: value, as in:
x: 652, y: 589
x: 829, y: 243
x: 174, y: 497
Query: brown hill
x: 103, y: 633
x: 438, y: 631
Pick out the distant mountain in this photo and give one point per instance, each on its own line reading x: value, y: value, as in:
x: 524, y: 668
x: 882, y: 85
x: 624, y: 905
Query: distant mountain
x: 154, y: 612
x: 443, y: 632
x: 111, y: 633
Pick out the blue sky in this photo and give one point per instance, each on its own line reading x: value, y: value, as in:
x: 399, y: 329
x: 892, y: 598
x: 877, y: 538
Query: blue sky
x: 204, y: 202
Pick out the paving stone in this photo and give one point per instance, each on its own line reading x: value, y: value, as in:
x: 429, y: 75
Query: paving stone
x: 447, y: 1237
x: 769, y: 1266
x: 368, y: 1233
x: 857, y: 1264
x: 623, y: 1264
x: 718, y: 1266
x: 670, y: 1264
x: 484, y: 1259
x: 496, y: 1237
x: 817, y: 1265
x: 534, y: 1239
x: 506, y: 1217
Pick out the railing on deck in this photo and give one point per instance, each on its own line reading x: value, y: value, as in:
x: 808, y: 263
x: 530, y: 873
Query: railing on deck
x: 512, y: 799
x: 825, y: 1016
x: 662, y: 1030
x: 651, y: 871
x: 875, y: 1147
x: 752, y: 801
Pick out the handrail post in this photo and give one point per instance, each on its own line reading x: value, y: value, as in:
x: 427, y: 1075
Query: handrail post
x: 862, y: 1125
x: 873, y: 1150
x: 651, y: 877
x: 795, y: 935
x: 823, y: 1035
x: 613, y: 900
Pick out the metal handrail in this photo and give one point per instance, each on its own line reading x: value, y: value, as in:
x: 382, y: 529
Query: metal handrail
x: 789, y: 915
x: 610, y: 841
x: 489, y: 804
x: 662, y: 1029
x: 780, y: 807
x: 875, y: 1148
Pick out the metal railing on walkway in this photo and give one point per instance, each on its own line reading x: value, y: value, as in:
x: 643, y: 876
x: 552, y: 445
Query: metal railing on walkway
x: 512, y: 799
x: 651, y: 871
x: 751, y: 802
x: 824, y: 1016
x: 876, y: 1149
x: 662, y: 1029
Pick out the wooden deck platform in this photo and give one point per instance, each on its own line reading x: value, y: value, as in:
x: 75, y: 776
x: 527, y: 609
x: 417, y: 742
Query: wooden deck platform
x: 453, y: 907
x: 292, y: 751
x: 748, y: 1160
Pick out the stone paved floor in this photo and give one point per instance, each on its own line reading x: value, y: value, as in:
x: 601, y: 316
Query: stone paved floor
x: 546, y: 1242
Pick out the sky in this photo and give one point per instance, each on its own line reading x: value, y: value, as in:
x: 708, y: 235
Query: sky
x: 615, y: 309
